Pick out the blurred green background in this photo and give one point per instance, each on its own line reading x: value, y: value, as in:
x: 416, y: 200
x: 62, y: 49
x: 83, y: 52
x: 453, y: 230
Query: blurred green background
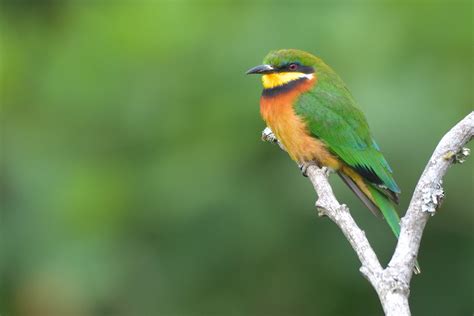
x: 133, y: 178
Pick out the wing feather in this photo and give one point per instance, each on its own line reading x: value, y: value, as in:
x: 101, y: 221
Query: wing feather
x: 333, y: 117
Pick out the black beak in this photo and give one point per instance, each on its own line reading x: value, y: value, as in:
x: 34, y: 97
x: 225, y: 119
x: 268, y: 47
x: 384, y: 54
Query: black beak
x: 262, y: 69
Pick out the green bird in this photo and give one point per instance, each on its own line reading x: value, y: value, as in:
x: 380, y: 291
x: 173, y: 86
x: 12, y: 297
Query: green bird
x: 312, y: 113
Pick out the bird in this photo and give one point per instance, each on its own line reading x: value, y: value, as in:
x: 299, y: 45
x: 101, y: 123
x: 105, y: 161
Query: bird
x: 315, y: 117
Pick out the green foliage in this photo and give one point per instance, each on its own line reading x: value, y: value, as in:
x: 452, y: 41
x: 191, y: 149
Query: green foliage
x: 134, y: 182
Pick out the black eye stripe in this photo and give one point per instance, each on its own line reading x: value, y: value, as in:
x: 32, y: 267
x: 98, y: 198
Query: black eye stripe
x: 287, y: 66
x: 299, y: 68
x: 293, y: 66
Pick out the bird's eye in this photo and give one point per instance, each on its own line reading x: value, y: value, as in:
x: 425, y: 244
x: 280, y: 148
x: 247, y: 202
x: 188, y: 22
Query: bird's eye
x: 293, y: 66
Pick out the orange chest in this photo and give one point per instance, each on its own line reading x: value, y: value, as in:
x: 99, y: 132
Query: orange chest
x: 292, y: 131
x: 280, y: 116
x: 287, y: 126
x: 278, y: 112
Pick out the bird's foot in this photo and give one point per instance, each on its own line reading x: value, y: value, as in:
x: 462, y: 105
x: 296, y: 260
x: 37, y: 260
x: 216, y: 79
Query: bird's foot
x: 268, y: 136
x: 303, y: 166
x: 327, y: 171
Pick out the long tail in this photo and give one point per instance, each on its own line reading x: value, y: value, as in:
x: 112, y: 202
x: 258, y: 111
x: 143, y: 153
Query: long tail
x: 387, y: 209
x: 375, y: 201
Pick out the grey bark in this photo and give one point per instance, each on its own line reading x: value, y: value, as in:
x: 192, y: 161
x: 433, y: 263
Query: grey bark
x: 392, y: 283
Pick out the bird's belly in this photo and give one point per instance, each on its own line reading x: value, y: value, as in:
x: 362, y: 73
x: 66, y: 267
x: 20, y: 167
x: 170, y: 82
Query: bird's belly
x: 293, y: 133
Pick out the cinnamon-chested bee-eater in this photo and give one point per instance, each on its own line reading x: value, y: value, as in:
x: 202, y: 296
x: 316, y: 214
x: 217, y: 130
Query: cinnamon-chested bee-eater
x: 313, y: 114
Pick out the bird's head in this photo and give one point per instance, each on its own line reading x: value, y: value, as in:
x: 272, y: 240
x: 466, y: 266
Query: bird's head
x: 284, y: 66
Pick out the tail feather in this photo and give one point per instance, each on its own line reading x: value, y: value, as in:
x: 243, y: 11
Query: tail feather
x: 376, y: 201
x: 387, y: 209
x: 390, y: 215
x: 360, y: 194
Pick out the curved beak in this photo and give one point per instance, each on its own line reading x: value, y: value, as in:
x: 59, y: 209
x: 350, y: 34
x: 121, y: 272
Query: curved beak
x: 261, y: 69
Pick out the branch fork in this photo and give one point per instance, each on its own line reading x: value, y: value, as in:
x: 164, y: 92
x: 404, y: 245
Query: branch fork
x: 392, y: 284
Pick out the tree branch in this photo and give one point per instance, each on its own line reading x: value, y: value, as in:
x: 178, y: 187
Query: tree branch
x: 429, y: 194
x: 392, y: 284
x: 328, y: 205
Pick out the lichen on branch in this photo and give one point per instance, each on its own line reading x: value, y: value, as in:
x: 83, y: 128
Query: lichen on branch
x: 392, y: 284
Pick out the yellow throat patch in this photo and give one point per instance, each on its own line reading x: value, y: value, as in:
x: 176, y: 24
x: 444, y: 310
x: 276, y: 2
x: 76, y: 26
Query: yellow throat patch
x: 274, y: 80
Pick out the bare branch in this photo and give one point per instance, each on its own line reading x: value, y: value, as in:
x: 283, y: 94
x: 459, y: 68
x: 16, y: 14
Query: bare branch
x: 328, y: 205
x: 428, y: 195
x: 393, y: 283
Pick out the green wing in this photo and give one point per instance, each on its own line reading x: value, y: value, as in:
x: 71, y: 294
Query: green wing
x: 332, y: 116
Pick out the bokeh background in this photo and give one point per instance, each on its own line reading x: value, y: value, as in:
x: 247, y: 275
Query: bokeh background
x: 133, y: 178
